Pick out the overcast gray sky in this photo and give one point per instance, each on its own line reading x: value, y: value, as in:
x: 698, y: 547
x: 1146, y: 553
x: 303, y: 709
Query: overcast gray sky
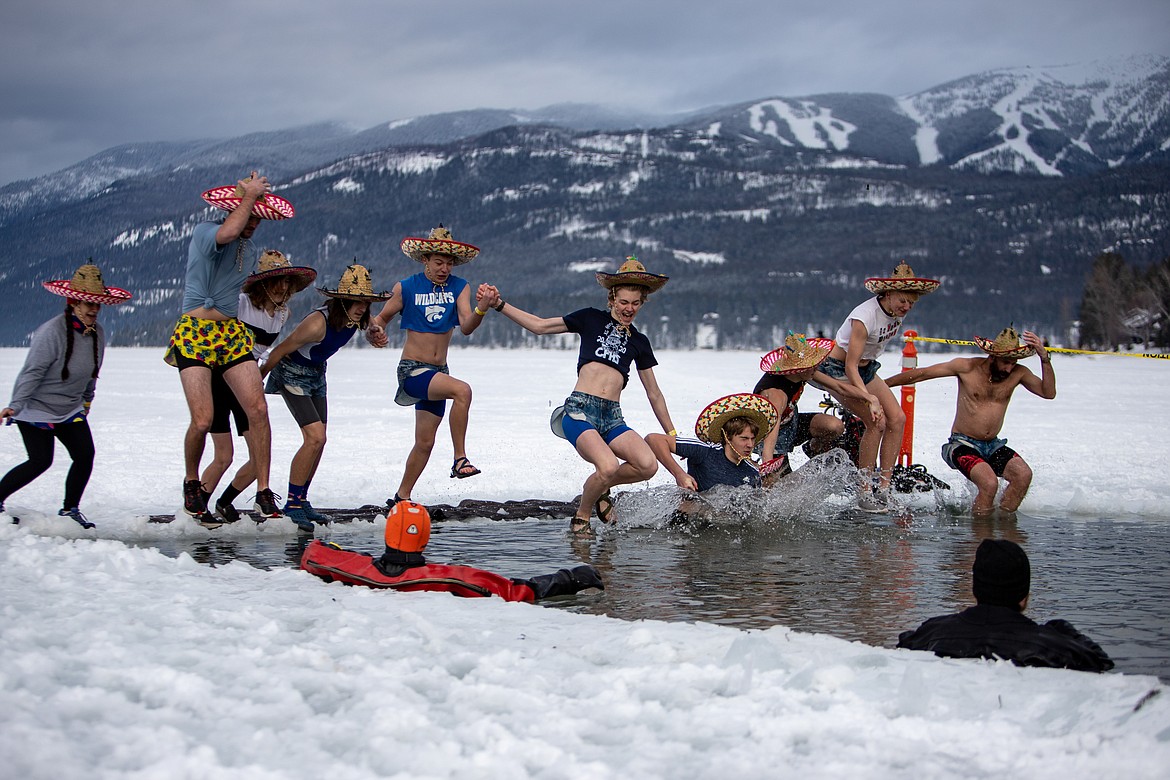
x: 79, y: 77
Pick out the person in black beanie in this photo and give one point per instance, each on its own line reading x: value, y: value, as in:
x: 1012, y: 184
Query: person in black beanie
x: 996, y: 627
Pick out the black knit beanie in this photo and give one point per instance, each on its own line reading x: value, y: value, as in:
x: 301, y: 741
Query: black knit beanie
x: 1001, y: 575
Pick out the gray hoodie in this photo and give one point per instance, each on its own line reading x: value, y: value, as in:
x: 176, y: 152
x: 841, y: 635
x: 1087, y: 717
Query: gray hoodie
x: 40, y: 394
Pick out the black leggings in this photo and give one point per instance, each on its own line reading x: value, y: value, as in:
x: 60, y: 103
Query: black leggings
x: 78, y: 442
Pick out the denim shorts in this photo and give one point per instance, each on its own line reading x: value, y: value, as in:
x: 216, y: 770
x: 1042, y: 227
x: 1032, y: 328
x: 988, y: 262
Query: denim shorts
x: 836, y: 369
x: 295, y: 379
x: 582, y: 411
x: 414, y: 377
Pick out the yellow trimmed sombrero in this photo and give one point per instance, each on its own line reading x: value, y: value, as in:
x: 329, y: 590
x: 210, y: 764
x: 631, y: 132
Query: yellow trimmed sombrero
x: 632, y: 272
x: 1006, y: 345
x: 87, y: 285
x: 355, y: 285
x: 272, y: 264
x: 903, y: 280
x: 797, y: 354
x: 709, y: 426
x: 439, y: 243
x: 267, y: 206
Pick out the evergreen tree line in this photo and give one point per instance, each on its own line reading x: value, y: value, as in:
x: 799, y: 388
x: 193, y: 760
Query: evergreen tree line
x: 1124, y: 305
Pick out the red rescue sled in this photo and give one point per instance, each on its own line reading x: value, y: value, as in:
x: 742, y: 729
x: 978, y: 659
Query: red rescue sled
x: 330, y: 562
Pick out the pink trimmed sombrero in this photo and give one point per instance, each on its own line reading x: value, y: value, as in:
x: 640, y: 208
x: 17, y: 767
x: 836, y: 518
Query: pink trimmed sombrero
x: 903, y: 280
x: 632, y: 272
x: 439, y: 243
x: 272, y: 264
x: 1006, y: 345
x: 86, y: 285
x: 709, y: 426
x: 797, y: 354
x: 268, y: 206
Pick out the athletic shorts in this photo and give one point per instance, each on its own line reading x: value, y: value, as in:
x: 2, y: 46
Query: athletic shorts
x: 211, y: 343
x: 963, y: 453
x: 582, y: 412
x: 836, y: 369
x: 414, y: 380
x: 225, y: 406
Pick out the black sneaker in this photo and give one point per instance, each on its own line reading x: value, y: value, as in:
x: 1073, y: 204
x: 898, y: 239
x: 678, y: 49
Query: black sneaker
x: 77, y: 517
x: 193, y: 503
x: 265, y: 505
x: 226, y: 511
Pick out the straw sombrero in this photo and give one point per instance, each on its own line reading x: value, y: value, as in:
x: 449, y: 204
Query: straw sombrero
x: 632, y: 272
x: 439, y: 243
x: 709, y: 426
x: 86, y: 285
x: 1006, y: 345
x: 273, y: 264
x: 355, y: 285
x: 903, y: 280
x: 797, y: 354
x: 267, y: 206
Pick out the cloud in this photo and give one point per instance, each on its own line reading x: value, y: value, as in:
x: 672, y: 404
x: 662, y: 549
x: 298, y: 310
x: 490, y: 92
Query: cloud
x: 77, y: 78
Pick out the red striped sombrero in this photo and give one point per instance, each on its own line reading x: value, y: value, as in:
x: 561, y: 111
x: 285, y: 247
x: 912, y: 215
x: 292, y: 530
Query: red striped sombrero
x: 709, y: 426
x: 797, y: 354
x: 903, y: 280
x: 1006, y: 345
x: 267, y: 206
x: 86, y: 285
x: 439, y: 243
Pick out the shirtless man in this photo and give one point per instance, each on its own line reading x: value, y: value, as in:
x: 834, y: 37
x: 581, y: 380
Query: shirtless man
x: 985, y: 388
x: 433, y: 303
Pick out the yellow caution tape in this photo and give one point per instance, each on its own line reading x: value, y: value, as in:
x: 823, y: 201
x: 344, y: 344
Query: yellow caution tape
x: 960, y: 342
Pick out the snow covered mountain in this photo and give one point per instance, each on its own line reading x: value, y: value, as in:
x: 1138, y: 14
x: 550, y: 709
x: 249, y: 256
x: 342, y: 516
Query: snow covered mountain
x: 1052, y: 121
x: 768, y: 214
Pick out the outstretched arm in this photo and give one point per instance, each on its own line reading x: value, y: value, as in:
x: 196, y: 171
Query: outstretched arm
x: 469, y: 319
x: 1044, y: 385
x: 541, y: 326
x: 310, y: 331
x: 662, y: 445
x: 915, y: 375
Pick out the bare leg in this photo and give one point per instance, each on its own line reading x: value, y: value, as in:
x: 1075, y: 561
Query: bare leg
x: 891, y: 443
x: 426, y: 425
x: 458, y: 392
x: 988, y: 484
x: 823, y: 431
x: 1019, y: 478
x: 308, y: 457
x: 244, y: 381
x: 223, y: 450
x: 640, y: 465
x: 196, y: 381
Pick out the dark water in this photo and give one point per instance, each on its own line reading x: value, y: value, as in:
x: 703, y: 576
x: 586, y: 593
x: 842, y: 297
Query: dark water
x: 858, y: 577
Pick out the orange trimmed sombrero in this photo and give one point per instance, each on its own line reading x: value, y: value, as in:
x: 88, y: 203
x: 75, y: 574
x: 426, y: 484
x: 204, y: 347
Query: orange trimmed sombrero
x: 797, y: 354
x: 1006, y: 345
x: 439, y: 243
x: 87, y: 285
x: 272, y: 264
x: 267, y: 206
x: 709, y: 426
x: 632, y: 272
x: 903, y: 280
x: 355, y: 285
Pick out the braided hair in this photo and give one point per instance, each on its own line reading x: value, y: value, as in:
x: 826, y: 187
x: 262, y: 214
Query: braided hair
x: 69, y: 343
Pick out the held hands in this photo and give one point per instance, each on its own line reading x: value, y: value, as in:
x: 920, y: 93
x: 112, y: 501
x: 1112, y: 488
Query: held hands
x: 875, y: 409
x: 487, y: 297
x: 376, y: 335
